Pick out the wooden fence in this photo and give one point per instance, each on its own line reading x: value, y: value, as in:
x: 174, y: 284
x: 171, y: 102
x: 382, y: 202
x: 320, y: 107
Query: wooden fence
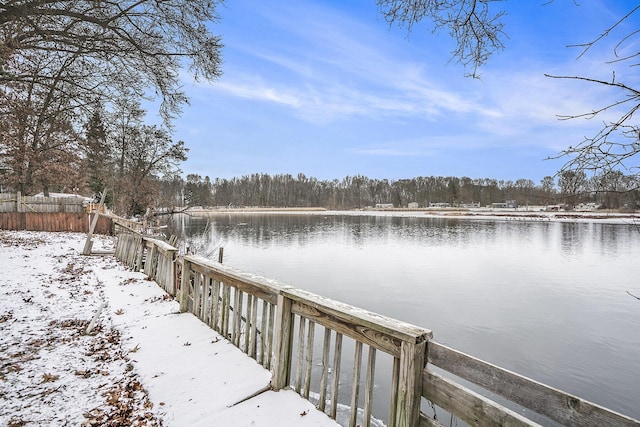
x: 19, y: 212
x: 16, y: 202
x: 276, y: 325
x: 54, y: 221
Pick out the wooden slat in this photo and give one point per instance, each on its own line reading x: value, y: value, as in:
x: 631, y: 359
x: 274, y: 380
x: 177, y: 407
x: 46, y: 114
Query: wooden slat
x: 326, y: 348
x: 368, y: 392
x: 184, y: 286
x: 300, y: 357
x: 410, y: 383
x: 216, y: 323
x: 264, y: 322
x: 270, y: 334
x: 335, y: 386
x: 208, y: 300
x: 393, y: 400
x: 253, y: 328
x: 355, y: 385
x: 467, y: 405
x: 562, y: 407
x: 283, y: 341
x: 247, y: 325
x: 237, y: 317
x: 226, y: 310
x: 426, y: 421
x: 308, y: 360
x: 194, y: 293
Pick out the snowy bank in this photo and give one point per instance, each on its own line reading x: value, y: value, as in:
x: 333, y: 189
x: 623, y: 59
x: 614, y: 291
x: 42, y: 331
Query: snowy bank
x: 142, y: 363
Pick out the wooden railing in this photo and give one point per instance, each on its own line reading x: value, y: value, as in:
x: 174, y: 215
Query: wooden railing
x: 315, y: 346
x: 240, y: 307
x: 276, y: 324
x: 156, y: 258
x: 475, y: 409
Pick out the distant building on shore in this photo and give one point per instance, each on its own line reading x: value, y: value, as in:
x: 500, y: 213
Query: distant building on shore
x: 472, y: 205
x: 439, y: 205
x: 509, y: 204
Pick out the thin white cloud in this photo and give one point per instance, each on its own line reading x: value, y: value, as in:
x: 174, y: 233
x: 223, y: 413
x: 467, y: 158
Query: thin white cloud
x: 259, y: 92
x: 345, y: 69
x: 393, y: 152
x: 342, y: 67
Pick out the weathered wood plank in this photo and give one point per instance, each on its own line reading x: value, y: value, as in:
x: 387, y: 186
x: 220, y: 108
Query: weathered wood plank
x: 270, y: 335
x: 197, y: 295
x: 355, y: 385
x: 326, y: 348
x: 562, y: 407
x: 264, y: 321
x: 226, y: 301
x: 412, y: 360
x: 216, y: 324
x: 237, y: 317
x: 208, y: 300
x: 335, y: 385
x: 257, y: 286
x: 393, y: 399
x: 184, y: 286
x: 426, y: 421
x: 300, y: 357
x: 308, y: 360
x: 467, y: 405
x: 283, y: 344
x: 350, y: 328
x: 396, y: 329
x: 54, y: 222
x: 368, y: 392
x: 253, y: 330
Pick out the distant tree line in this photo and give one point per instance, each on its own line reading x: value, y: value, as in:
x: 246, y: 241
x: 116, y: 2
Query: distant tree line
x: 613, y: 191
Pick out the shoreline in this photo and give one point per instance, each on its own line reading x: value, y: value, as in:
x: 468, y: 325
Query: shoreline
x: 439, y: 213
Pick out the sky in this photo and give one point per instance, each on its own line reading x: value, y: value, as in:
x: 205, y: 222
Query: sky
x: 329, y: 89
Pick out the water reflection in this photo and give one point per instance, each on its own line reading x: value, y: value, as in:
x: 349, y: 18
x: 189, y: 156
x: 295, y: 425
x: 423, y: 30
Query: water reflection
x: 545, y: 299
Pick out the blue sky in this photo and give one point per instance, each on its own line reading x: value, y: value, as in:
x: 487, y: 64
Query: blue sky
x: 329, y: 89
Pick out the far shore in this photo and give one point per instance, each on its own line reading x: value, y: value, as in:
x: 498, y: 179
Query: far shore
x: 524, y: 213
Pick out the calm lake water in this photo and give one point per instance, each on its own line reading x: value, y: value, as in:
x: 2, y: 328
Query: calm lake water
x: 545, y: 299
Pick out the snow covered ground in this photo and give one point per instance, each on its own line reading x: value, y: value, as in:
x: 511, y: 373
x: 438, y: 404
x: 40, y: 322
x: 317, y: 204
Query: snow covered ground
x: 141, y: 364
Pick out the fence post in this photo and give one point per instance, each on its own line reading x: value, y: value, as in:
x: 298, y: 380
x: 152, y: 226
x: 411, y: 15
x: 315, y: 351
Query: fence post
x: 283, y: 344
x: 184, y: 285
x: 19, y: 201
x: 171, y: 279
x: 142, y: 247
x: 412, y: 362
x: 89, y: 243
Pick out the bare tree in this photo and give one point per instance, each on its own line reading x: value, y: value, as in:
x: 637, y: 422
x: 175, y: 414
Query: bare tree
x: 476, y: 30
x: 143, y: 43
x: 60, y: 60
x: 37, y: 134
x: 478, y: 33
x: 616, y: 146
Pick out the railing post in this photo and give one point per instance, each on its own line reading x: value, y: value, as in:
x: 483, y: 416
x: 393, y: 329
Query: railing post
x: 184, y: 285
x: 171, y: 274
x: 412, y: 362
x: 283, y: 344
